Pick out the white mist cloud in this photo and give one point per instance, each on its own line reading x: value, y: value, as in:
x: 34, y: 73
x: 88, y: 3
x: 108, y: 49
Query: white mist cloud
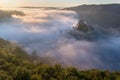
x: 47, y: 32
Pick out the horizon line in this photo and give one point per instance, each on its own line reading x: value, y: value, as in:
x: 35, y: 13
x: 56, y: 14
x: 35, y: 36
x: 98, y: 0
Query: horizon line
x: 59, y: 6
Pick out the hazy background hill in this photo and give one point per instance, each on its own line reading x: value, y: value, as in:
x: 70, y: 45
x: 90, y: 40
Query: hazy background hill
x: 5, y: 15
x: 45, y: 8
x: 106, y: 15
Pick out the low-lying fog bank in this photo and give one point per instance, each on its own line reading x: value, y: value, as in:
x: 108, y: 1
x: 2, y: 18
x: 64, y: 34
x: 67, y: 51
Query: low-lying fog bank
x: 48, y: 33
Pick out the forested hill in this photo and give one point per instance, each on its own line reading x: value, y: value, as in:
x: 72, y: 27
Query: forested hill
x: 16, y: 64
x: 104, y: 15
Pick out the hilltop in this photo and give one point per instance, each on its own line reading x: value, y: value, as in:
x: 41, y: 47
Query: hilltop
x: 104, y: 15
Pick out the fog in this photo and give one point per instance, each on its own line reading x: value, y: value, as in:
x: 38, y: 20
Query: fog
x: 47, y: 32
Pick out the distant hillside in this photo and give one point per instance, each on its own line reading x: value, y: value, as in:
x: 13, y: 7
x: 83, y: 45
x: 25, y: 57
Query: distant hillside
x: 8, y: 14
x: 4, y: 14
x: 107, y: 15
x: 46, y: 8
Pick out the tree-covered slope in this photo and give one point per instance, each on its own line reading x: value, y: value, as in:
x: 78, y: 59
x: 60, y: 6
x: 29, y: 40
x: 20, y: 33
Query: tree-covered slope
x: 16, y: 64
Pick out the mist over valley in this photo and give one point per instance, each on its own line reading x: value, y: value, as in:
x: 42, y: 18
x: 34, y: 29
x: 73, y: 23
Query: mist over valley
x: 60, y: 36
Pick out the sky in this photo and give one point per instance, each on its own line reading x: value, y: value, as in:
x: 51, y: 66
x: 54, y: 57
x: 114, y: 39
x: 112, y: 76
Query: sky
x: 52, y: 3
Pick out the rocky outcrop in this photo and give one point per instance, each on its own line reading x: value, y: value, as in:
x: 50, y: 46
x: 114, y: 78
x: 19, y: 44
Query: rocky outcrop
x: 85, y: 31
x: 82, y: 30
x: 82, y: 26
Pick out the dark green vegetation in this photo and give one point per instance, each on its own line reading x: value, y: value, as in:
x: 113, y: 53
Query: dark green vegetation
x: 106, y: 15
x: 16, y: 64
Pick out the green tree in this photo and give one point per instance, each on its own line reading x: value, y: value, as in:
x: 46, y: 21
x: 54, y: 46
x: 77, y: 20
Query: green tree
x: 21, y: 73
x: 36, y: 77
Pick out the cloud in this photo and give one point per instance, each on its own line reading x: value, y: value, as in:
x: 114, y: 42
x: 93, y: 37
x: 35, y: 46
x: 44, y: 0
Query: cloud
x: 47, y: 32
